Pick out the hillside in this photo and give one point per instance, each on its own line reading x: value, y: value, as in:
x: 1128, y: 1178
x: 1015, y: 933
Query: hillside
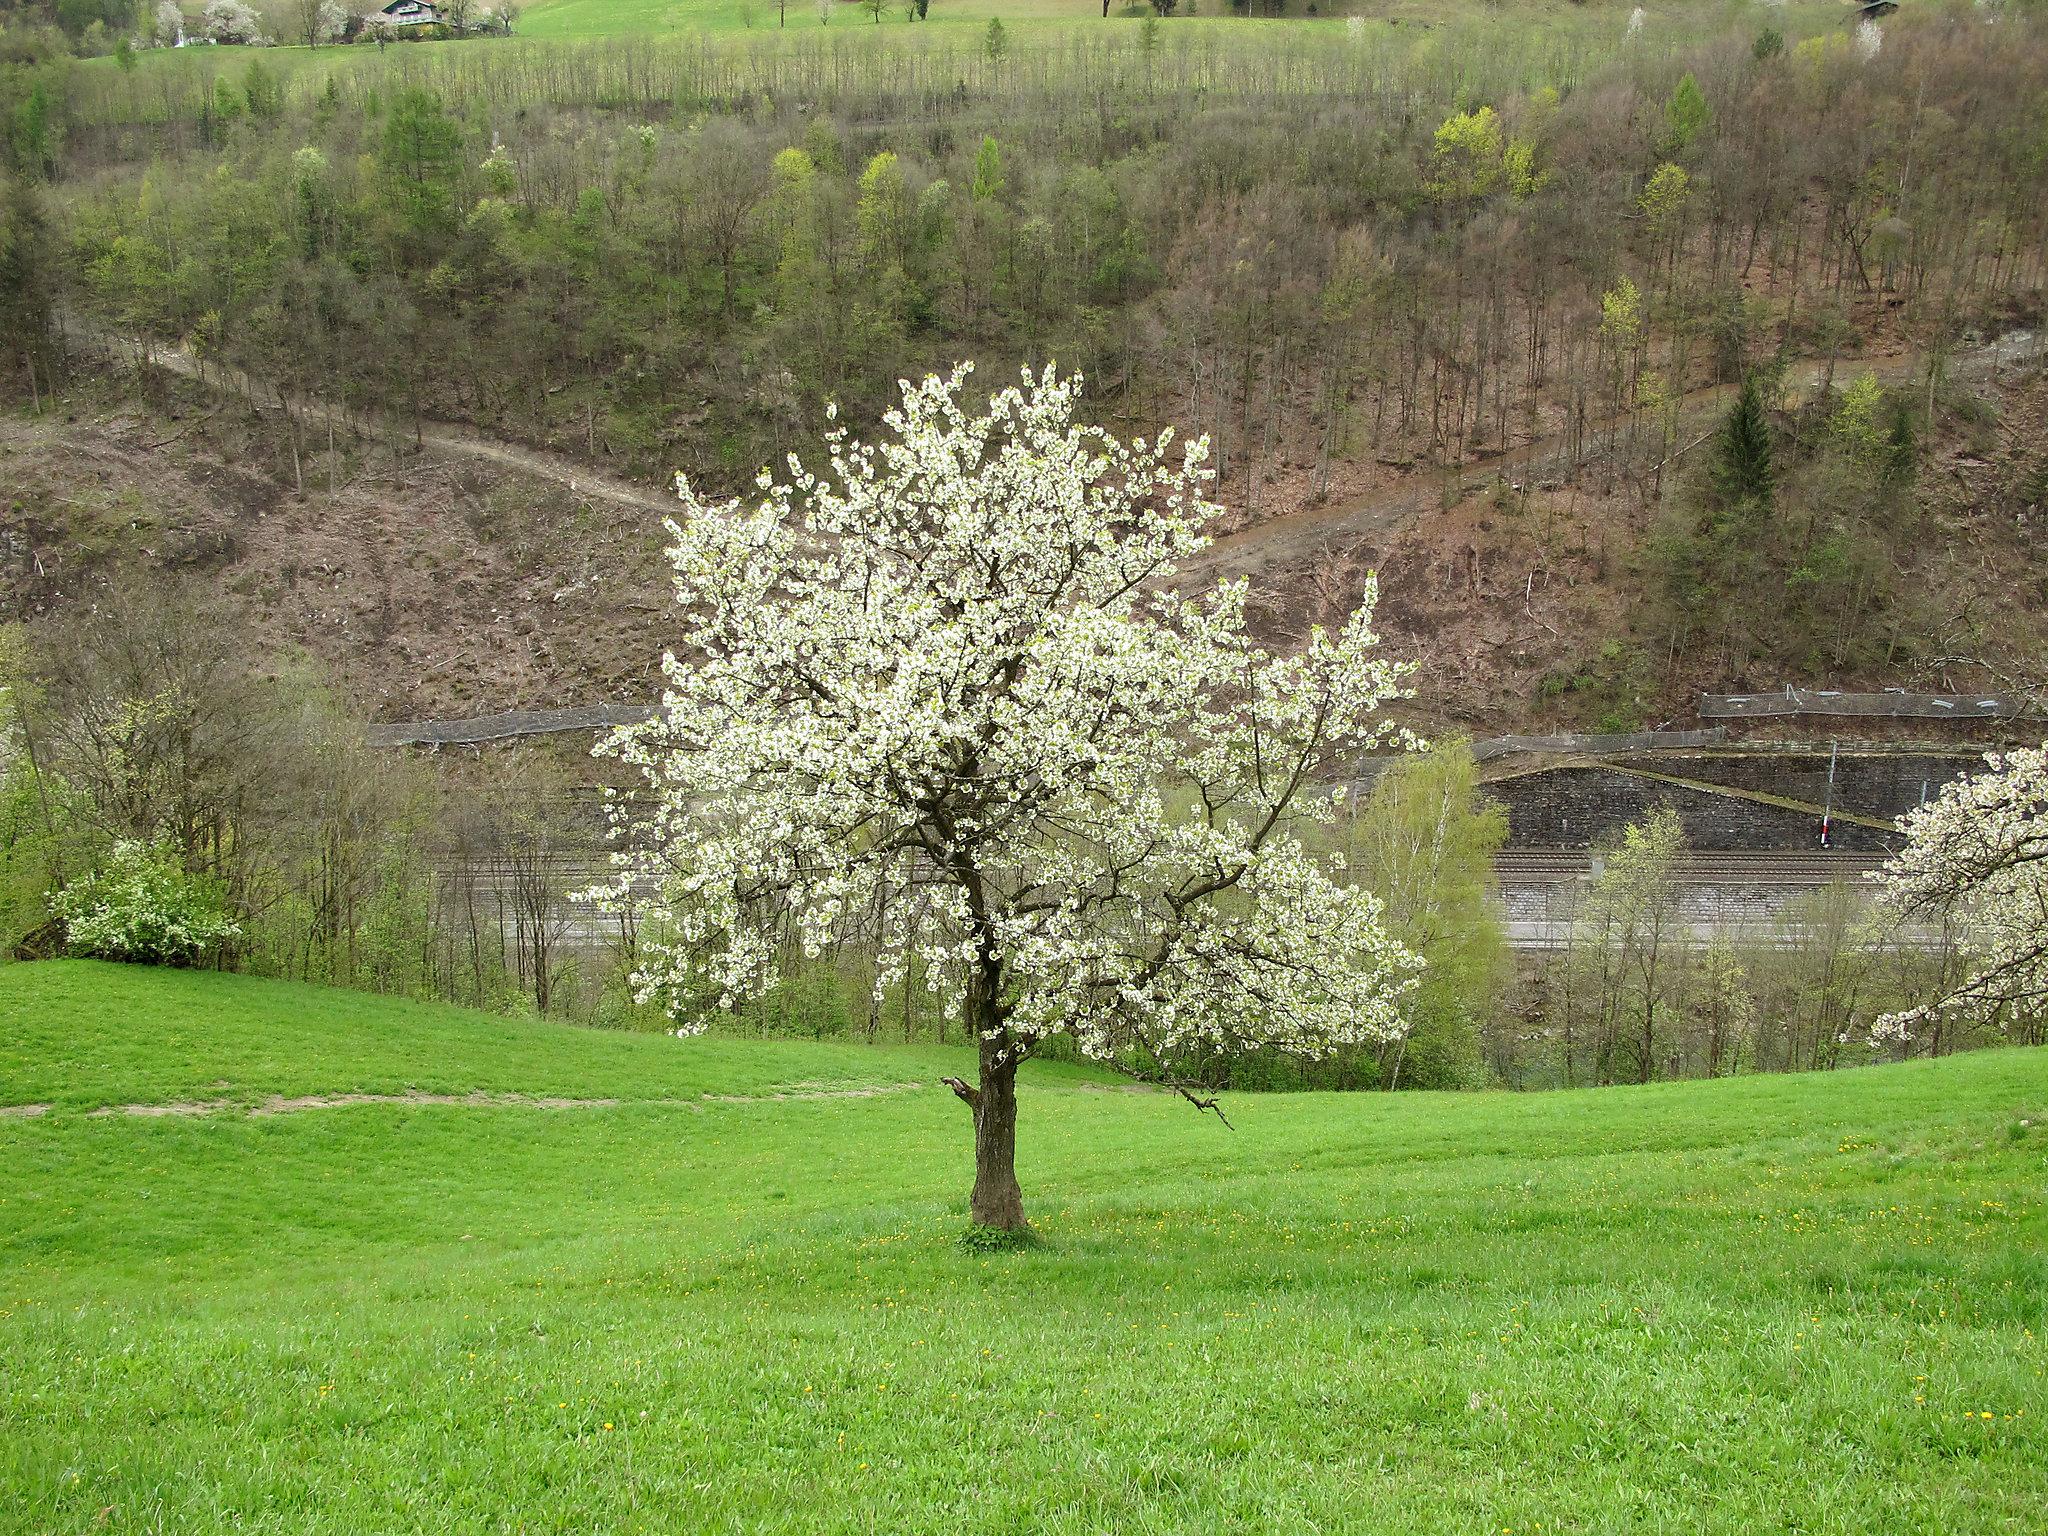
x: 480, y: 575
x: 1459, y: 294
x: 1813, y: 1301
x: 567, y: 19
x: 424, y: 584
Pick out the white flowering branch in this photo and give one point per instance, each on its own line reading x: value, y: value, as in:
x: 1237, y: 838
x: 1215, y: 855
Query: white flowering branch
x: 1977, y: 854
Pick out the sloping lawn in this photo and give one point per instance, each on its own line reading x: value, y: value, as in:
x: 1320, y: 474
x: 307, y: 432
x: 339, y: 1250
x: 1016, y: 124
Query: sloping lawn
x: 1810, y: 1304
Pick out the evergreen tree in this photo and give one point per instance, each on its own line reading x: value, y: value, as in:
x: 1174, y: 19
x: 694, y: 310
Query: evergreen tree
x: 1686, y: 114
x: 264, y: 92
x: 1742, y: 453
x: 421, y: 154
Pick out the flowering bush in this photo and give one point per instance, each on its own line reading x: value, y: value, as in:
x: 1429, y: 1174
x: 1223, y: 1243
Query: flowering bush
x: 230, y: 21
x: 143, y: 907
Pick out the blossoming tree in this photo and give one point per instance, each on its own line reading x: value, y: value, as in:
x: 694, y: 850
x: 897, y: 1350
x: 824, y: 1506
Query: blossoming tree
x: 1978, y: 853
x: 942, y: 699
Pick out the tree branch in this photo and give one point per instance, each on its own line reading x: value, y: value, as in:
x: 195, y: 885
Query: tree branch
x: 965, y: 1092
x: 1212, y: 1103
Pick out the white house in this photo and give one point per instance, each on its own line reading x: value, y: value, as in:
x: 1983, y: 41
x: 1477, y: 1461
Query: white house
x: 411, y: 13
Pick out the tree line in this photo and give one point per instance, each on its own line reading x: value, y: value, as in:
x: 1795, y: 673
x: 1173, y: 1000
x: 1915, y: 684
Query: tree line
x: 1635, y: 992
x: 140, y: 749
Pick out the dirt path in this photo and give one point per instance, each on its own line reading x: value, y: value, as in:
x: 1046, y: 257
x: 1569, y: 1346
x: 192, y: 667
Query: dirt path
x: 279, y: 1104
x: 441, y: 436
x: 1305, y: 534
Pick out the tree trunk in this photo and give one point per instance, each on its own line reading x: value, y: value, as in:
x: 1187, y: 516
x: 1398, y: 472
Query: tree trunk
x: 998, y: 1201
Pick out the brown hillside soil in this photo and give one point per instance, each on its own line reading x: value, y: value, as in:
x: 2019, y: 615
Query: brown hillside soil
x: 427, y: 584
x: 458, y: 580
x: 1529, y: 608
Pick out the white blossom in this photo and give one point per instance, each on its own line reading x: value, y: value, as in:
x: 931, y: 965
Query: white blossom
x: 141, y: 906
x: 941, y: 697
x: 230, y: 21
x: 1977, y: 854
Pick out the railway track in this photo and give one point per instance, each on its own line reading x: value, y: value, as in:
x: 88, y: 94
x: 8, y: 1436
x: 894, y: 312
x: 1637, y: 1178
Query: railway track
x: 1536, y: 892
x: 1511, y: 866
x: 1546, y: 866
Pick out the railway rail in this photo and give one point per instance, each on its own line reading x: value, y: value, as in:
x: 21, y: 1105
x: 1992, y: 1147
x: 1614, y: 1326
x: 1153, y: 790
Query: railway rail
x: 1763, y: 867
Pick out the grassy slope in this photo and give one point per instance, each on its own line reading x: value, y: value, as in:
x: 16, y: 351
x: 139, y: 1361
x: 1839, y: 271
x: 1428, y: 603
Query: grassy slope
x: 761, y: 21
x: 1800, y: 1303
x: 616, y: 18
x: 83, y: 1035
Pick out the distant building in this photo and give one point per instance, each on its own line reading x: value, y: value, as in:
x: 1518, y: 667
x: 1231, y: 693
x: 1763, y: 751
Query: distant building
x: 411, y: 13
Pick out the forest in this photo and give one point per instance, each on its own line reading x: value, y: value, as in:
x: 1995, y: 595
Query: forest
x: 1334, y: 257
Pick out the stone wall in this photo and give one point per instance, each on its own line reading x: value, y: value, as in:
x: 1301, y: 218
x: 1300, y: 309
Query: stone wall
x: 1576, y: 807
x: 1883, y: 785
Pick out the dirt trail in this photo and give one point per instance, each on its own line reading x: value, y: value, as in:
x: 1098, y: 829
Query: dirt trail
x: 279, y: 1104
x: 441, y: 436
x: 1308, y: 532
x: 1305, y: 534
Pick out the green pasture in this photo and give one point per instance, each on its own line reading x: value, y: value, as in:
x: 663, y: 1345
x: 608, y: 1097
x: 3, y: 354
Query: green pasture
x: 735, y: 1299
x: 1596, y: 25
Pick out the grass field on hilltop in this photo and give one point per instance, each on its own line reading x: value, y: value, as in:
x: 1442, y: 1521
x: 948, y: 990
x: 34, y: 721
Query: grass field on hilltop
x: 618, y: 18
x: 1811, y: 1303
x: 1031, y: 22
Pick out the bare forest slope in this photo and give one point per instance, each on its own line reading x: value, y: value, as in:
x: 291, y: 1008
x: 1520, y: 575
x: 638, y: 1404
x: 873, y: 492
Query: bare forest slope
x: 460, y: 576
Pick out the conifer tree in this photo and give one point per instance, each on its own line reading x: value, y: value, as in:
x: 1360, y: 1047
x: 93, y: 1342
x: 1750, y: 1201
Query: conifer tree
x: 1742, y: 454
x: 1686, y: 114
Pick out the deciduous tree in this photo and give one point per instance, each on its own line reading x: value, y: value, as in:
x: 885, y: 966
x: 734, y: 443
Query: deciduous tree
x: 230, y: 21
x: 948, y: 671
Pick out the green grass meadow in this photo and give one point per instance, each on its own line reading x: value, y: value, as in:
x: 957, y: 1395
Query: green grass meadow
x: 617, y: 18
x: 1597, y: 24
x: 1807, y: 1304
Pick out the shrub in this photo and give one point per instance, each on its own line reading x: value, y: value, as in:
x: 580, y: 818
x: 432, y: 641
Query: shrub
x: 141, y: 906
x: 986, y: 1240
